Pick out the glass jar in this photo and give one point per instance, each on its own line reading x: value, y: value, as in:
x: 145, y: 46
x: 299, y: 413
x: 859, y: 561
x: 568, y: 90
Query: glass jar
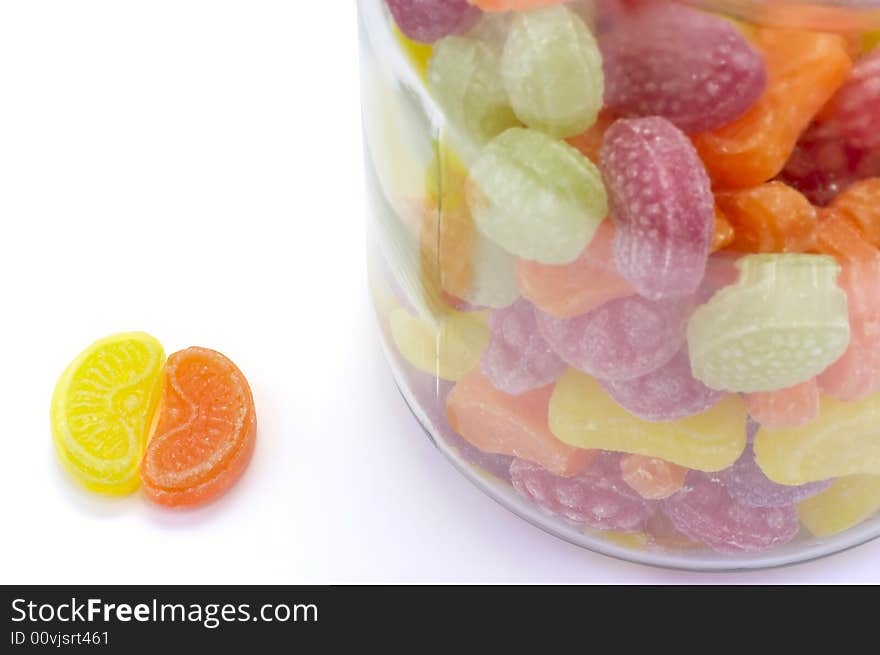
x: 624, y: 256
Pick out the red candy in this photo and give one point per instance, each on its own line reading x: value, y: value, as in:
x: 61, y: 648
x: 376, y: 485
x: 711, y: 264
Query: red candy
x: 623, y: 339
x: 597, y: 498
x: 428, y: 21
x: 692, y: 68
x: 662, y: 205
x: 855, y: 109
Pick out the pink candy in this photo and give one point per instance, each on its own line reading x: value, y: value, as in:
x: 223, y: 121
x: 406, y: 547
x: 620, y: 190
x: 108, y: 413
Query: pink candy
x: 597, y: 498
x: 855, y: 109
x: 746, y: 482
x: 518, y: 358
x: 705, y: 511
x: 428, y: 21
x: 624, y: 339
x: 662, y: 205
x: 671, y: 392
x: 690, y: 67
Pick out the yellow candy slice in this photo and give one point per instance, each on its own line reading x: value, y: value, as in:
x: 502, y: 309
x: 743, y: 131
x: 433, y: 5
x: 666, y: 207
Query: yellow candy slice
x: 870, y: 41
x: 102, y: 409
x: 843, y: 440
x: 846, y: 503
x: 583, y: 415
x: 630, y: 540
x: 448, y: 348
x: 418, y: 54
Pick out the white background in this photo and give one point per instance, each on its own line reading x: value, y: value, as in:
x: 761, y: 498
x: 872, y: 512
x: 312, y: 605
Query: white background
x: 193, y: 169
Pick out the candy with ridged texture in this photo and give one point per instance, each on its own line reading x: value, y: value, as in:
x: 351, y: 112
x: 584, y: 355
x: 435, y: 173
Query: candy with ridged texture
x: 662, y: 205
x: 705, y: 511
x: 449, y: 346
x: 651, y: 477
x: 804, y: 70
x: 518, y: 358
x: 860, y: 205
x: 783, y: 322
x: 746, y: 482
x: 597, y: 498
x: 841, y: 441
x: 669, y: 393
x: 624, y: 339
x: 578, y: 288
x: 496, y: 422
x: 790, y: 407
x: 692, y: 68
x: 464, y: 77
x: 427, y: 21
x: 772, y: 217
x: 848, y: 502
x: 552, y: 71
x: 538, y: 198
x: 583, y: 415
x: 855, y: 108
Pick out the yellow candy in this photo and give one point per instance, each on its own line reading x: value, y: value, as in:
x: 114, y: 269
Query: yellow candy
x: 583, y: 415
x: 448, y: 348
x: 630, y: 540
x: 846, y: 503
x: 418, y: 54
x: 870, y: 41
x: 843, y: 440
x: 102, y: 410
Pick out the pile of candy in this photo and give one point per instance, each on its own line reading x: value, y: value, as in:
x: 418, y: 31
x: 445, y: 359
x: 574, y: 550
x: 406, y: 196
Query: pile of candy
x: 123, y: 416
x: 654, y: 234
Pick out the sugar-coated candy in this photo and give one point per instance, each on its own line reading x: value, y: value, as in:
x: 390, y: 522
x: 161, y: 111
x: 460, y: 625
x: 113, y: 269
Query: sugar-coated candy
x: 848, y: 502
x: 668, y: 393
x: 496, y: 422
x: 518, y: 358
x: 855, y: 108
x: 651, y: 477
x: 746, y: 482
x: 552, y: 71
x: 598, y: 497
x: 804, y: 71
x: 449, y: 346
x: 859, y: 203
x: 538, y: 198
x: 513, y: 5
x: 782, y: 323
x: 771, y: 217
x: 570, y: 290
x: 464, y: 77
x: 705, y: 511
x: 662, y: 205
x: 690, y: 67
x: 785, y: 408
x: 623, y: 339
x: 102, y: 409
x: 582, y: 414
x: 427, y: 21
x: 494, y: 276
x: 841, y: 441
x: 205, y: 430
x: 723, y: 234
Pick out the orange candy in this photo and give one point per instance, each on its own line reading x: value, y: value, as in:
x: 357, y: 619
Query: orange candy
x: 204, y: 431
x: 786, y: 408
x: 724, y: 234
x: 804, y: 70
x: 577, y: 288
x: 590, y: 142
x: 497, y: 422
x: 651, y: 477
x: 513, y: 5
x: 860, y: 204
x: 772, y: 217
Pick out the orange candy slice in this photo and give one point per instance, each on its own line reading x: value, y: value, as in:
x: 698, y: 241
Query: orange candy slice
x: 574, y: 289
x: 651, y: 477
x: 204, y: 431
x: 513, y: 5
x: 590, y: 141
x: 497, y: 422
x: 804, y: 71
x: 786, y: 408
x: 772, y: 217
x: 860, y: 204
x: 723, y: 235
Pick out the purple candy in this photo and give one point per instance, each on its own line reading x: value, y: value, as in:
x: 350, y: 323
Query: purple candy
x: 692, y: 68
x: 746, y: 482
x: 662, y: 205
x: 704, y: 511
x: 428, y: 21
x: 624, y: 339
x: 518, y: 358
x: 671, y: 392
x: 597, y: 498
